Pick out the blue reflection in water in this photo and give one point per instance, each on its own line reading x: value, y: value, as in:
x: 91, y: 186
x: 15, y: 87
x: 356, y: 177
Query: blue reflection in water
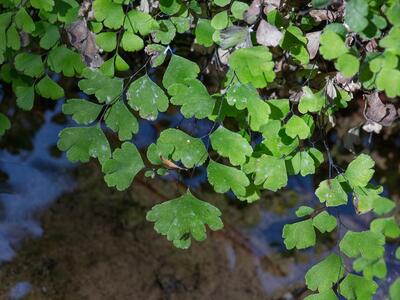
x: 36, y: 179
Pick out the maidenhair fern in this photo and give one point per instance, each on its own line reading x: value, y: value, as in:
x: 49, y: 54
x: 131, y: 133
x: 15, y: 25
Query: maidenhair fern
x: 317, y: 52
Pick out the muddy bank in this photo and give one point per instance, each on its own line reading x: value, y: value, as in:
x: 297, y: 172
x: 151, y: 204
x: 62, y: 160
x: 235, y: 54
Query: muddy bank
x: 97, y: 245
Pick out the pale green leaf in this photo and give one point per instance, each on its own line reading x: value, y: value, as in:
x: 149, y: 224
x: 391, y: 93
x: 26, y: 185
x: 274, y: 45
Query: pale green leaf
x: 355, y: 287
x: 331, y: 192
x: 311, y: 102
x: 223, y: 178
x: 253, y: 65
x: 231, y: 145
x: 131, y: 42
x: 356, y: 13
x: 325, y: 274
x: 329, y: 38
x: 386, y: 226
x: 297, y: 126
x: 324, y: 222
x: 303, y: 211
x: 325, y: 295
x: 360, y: 171
x: 183, y: 217
x: 109, y: 12
x: 348, y: 65
x: 366, y: 244
x: 299, y: 235
x: 107, y: 41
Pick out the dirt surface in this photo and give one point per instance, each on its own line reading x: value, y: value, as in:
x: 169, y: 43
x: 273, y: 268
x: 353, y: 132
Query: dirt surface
x: 97, y: 245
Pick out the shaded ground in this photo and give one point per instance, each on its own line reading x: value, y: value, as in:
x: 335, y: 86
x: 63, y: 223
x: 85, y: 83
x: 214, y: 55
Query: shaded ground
x: 97, y: 245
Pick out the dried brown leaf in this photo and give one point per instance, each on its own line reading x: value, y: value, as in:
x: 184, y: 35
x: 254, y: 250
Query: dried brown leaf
x: 313, y: 43
x: 267, y: 34
x: 251, y: 14
x: 378, y: 112
x: 323, y: 15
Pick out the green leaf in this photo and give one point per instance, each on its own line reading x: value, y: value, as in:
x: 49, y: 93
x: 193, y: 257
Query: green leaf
x: 269, y: 171
x: 239, y: 95
x: 24, y: 21
x: 179, y: 146
x: 394, y: 290
x: 25, y: 97
x: 47, y: 88
x: 222, y: 3
x: 62, y: 59
x: 366, y: 244
x: 13, y: 38
x: 371, y: 268
x: 120, y: 64
x: 331, y: 192
x: 324, y: 222
x: 393, y: 14
x: 329, y: 38
x: 299, y: 235
x: 348, y: 65
x: 220, y: 20
x: 295, y: 42
x: 165, y: 33
x: 259, y: 112
x: 253, y: 65
x: 131, y: 42
x: 238, y: 8
x: 105, y: 89
x: 186, y: 216
x: 368, y: 198
x: 29, y: 64
x: 303, y: 211
x: 81, y: 143
x: 46, y: 5
x: 276, y: 140
x: 311, y: 102
x: 107, y: 41
x: 223, y: 178
x: 4, y: 124
x: 360, y: 171
x: 141, y: 22
x: 204, y: 32
x: 50, y: 37
x: 119, y: 171
x: 108, y: 12
x: 325, y: 274
x: 302, y: 163
x: 182, y: 23
x: 397, y: 254
x: 355, y: 287
x: 231, y: 144
x: 170, y: 7
x: 355, y: 15
x: 279, y: 108
x: 83, y: 111
x: 387, y: 80
x: 147, y: 97
x: 325, y: 295
x: 179, y: 70
x: 194, y: 98
x: 297, y: 126
x: 121, y: 120
x: 386, y: 226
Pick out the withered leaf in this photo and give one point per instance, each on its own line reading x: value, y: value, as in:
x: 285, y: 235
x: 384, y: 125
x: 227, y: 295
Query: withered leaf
x: 251, y: 14
x: 323, y: 15
x: 378, y: 112
x: 83, y: 40
x: 233, y: 36
x: 313, y: 43
x: 268, y: 35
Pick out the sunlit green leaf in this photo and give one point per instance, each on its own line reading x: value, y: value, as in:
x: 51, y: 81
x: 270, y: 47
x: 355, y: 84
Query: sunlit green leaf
x: 299, y: 235
x: 83, y: 111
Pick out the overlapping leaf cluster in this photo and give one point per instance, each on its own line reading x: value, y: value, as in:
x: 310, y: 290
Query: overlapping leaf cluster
x: 287, y: 71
